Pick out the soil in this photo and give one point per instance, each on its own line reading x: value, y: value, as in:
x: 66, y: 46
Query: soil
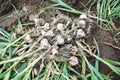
x: 34, y: 6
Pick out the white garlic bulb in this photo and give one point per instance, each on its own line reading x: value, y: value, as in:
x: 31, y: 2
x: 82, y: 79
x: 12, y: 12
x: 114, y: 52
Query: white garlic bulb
x: 82, y: 23
x: 27, y: 39
x: 60, y: 27
x: 54, y: 51
x: 74, y: 49
x: 44, y: 44
x: 68, y: 46
x: 60, y: 39
x: 69, y: 38
x: 80, y: 33
x: 83, y: 16
x: 32, y: 17
x: 43, y: 32
x: 73, y: 61
x: 46, y: 26
x: 36, y: 20
x: 50, y: 33
x: 19, y: 30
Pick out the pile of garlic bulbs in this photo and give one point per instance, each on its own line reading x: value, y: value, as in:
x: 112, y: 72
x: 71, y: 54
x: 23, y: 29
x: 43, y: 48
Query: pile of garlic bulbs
x: 63, y: 35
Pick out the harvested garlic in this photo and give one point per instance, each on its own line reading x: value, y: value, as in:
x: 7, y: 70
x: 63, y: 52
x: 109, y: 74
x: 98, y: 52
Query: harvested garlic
x: 54, y: 51
x: 74, y: 50
x: 73, y: 61
x: 69, y: 38
x: 83, y: 16
x: 28, y: 39
x: 80, y: 33
x: 50, y: 33
x: 36, y: 22
x: 60, y: 27
x: 19, y: 30
x: 60, y: 39
x: 32, y: 17
x: 82, y: 23
x: 46, y: 26
x: 44, y: 44
x: 43, y: 32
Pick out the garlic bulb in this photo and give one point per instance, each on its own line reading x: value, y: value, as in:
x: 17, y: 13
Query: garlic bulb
x: 32, y: 17
x: 82, y: 23
x: 73, y: 61
x: 46, y: 26
x: 19, y: 30
x: 69, y: 38
x: 60, y: 39
x: 83, y: 16
x: 27, y: 39
x: 74, y: 50
x: 60, y: 27
x: 44, y: 44
x: 80, y: 33
x: 54, y: 51
x: 50, y: 33
x: 36, y: 22
x: 68, y: 46
x: 43, y: 32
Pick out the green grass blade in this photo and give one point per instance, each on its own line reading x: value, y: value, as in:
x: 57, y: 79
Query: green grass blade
x: 112, y: 62
x: 4, y: 39
x: 3, y: 44
x: 114, y: 68
x: 11, y: 67
x: 20, y: 69
x: 71, y: 69
x: 62, y: 4
x: 97, y: 74
x: 4, y: 33
x: 7, y: 76
x: 28, y: 74
x: 93, y: 76
x: 98, y: 54
x: 83, y: 67
x: 106, y: 77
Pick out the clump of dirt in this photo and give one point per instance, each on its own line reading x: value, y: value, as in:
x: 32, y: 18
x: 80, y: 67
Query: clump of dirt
x: 8, y: 23
x: 6, y: 7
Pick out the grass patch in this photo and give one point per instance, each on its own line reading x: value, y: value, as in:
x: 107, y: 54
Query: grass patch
x: 108, y: 10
